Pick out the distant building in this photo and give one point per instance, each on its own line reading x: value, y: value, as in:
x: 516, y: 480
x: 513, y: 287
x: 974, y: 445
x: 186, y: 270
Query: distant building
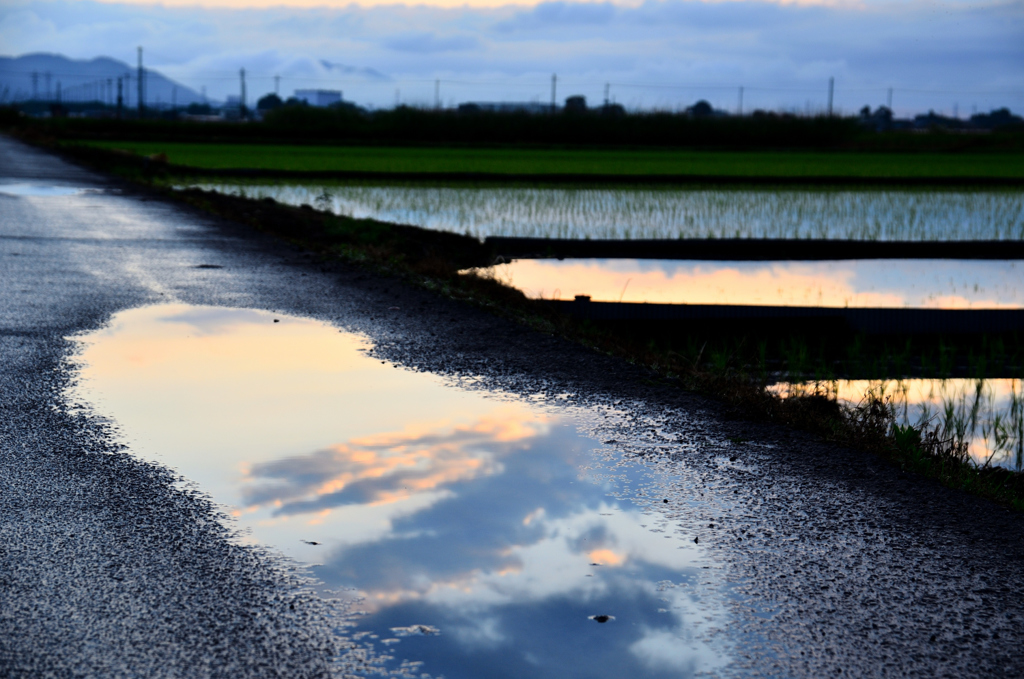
x: 232, y: 108
x: 321, y: 98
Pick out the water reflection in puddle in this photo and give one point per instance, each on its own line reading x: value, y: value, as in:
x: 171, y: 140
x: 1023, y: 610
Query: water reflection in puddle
x: 987, y: 414
x: 44, y: 190
x: 665, y: 212
x: 484, y: 533
x: 946, y: 284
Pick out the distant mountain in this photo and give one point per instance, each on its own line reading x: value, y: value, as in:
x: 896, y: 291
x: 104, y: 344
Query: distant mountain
x: 85, y: 80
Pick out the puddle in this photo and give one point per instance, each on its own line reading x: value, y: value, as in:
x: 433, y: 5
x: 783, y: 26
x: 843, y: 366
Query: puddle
x: 665, y: 212
x: 937, y: 284
x: 25, y: 189
x: 988, y: 414
x: 485, y: 534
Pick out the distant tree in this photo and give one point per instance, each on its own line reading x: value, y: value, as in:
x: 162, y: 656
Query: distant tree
x: 998, y: 118
x: 701, y: 109
x: 576, y: 104
x: 346, y: 106
x: 269, y: 102
x: 199, y: 109
x: 880, y: 120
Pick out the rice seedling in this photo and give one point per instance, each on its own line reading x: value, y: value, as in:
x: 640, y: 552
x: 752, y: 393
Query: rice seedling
x: 664, y: 212
x: 983, y: 418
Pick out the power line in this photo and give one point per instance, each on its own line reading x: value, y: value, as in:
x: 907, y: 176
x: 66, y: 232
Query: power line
x: 227, y: 76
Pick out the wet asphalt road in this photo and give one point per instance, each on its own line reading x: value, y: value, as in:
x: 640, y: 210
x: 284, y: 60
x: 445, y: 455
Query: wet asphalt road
x: 837, y: 564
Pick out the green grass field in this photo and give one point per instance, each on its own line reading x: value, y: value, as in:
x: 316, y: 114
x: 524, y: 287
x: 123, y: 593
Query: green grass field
x: 577, y: 161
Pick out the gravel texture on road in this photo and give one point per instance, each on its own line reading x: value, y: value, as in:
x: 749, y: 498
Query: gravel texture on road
x: 837, y: 563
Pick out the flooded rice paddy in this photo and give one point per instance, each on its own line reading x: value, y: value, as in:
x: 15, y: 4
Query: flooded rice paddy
x: 664, y: 212
x: 987, y: 414
x: 936, y: 284
x: 480, y: 531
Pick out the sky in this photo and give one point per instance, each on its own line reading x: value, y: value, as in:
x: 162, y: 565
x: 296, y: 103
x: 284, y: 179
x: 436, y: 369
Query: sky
x: 951, y: 56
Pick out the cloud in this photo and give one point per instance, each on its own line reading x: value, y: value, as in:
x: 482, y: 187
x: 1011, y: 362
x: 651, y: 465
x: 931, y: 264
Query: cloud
x: 352, y: 70
x: 559, y: 15
x: 429, y: 43
x: 386, y: 468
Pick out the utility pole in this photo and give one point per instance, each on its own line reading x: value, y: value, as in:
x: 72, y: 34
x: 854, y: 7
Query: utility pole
x: 142, y: 93
x: 888, y: 99
x: 956, y: 110
x: 437, y: 93
x: 120, y: 99
x: 241, y: 101
x: 740, y: 108
x: 607, y: 89
x: 35, y: 85
x: 831, y: 83
x: 277, y: 85
x: 554, y: 84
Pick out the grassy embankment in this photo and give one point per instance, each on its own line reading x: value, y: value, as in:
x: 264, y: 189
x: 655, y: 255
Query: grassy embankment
x: 574, y: 161
x: 433, y: 260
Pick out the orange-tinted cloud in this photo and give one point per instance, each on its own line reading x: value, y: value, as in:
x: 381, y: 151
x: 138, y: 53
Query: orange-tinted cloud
x: 389, y: 467
x: 475, y: 4
x: 606, y: 557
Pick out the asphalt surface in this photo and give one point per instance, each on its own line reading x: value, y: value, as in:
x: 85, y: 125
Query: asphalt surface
x: 837, y: 563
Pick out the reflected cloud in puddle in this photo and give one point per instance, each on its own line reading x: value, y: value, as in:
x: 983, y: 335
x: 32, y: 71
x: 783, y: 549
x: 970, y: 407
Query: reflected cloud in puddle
x: 476, y: 517
x: 939, y: 284
x: 386, y: 468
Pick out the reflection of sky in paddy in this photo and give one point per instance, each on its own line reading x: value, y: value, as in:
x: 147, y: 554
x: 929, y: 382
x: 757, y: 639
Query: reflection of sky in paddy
x: 601, y: 212
x: 489, y: 519
x: 988, y: 414
x: 948, y: 284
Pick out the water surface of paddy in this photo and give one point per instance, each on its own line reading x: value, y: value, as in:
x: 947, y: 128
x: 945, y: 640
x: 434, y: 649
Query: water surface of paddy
x: 482, y: 531
x: 937, y: 284
x: 665, y: 212
x: 988, y: 414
